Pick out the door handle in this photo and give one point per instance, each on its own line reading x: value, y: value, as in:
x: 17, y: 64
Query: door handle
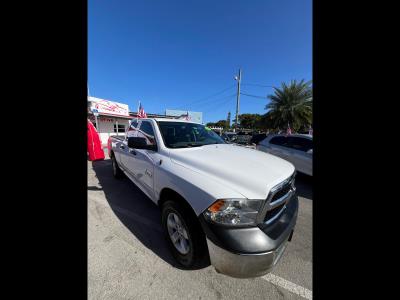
x: 133, y: 152
x: 122, y: 147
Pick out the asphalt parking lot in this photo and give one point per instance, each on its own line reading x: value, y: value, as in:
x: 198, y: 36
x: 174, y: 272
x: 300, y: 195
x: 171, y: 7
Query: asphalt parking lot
x: 128, y: 257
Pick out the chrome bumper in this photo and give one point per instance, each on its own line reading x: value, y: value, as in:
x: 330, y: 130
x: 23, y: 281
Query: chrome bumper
x: 244, y: 265
x: 253, y: 251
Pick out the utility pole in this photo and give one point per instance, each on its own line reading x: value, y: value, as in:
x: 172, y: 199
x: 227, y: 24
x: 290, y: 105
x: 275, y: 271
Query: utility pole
x: 238, y: 79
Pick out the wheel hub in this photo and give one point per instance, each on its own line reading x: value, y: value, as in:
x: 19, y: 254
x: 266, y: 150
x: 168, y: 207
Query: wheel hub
x: 178, y: 234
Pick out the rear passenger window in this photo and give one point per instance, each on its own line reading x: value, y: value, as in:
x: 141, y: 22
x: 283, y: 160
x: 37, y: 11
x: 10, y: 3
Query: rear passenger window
x: 134, y: 124
x: 147, y: 128
x: 299, y: 143
x: 132, y: 128
x: 146, y: 131
x: 278, y: 140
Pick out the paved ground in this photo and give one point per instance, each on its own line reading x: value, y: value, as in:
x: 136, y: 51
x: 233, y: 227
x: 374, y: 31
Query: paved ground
x: 128, y: 257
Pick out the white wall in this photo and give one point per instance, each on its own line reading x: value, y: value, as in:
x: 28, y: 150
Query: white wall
x: 106, y: 128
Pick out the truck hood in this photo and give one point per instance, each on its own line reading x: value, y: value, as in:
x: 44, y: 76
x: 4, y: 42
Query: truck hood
x: 249, y: 172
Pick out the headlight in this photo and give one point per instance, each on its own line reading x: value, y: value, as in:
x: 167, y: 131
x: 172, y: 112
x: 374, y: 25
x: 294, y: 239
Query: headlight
x: 234, y: 211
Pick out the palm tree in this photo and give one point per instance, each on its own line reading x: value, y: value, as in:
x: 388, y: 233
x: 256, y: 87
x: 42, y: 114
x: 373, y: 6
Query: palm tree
x: 291, y: 104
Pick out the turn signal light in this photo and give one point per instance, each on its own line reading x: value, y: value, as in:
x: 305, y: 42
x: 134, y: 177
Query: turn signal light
x: 216, y: 206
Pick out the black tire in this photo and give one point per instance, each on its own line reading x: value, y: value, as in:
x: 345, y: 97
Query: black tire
x: 197, y: 256
x: 117, y: 172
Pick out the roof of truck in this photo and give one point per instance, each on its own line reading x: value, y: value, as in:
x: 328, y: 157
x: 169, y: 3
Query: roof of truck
x: 167, y: 120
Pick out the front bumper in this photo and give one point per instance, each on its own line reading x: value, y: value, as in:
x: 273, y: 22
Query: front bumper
x: 243, y: 265
x: 250, y: 252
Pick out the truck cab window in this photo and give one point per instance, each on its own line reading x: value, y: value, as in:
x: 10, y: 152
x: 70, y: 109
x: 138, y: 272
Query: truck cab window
x: 132, y: 128
x: 146, y: 131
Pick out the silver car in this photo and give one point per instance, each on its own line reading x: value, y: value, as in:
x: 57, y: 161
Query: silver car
x: 295, y: 148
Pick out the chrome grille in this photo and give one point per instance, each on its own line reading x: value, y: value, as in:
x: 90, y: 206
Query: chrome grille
x: 277, y: 199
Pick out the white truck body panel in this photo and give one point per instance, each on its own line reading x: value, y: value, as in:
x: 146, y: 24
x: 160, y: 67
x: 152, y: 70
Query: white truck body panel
x: 201, y: 175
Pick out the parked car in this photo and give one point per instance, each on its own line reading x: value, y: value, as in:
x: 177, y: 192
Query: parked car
x: 257, y: 138
x: 243, y: 138
x: 234, y: 206
x: 295, y: 148
x: 228, y: 136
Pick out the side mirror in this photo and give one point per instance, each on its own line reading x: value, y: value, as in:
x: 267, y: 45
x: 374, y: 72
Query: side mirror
x: 140, y: 143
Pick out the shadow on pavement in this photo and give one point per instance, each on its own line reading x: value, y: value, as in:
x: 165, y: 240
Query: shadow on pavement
x: 141, y: 216
x: 94, y: 188
x: 134, y: 209
x: 304, y: 186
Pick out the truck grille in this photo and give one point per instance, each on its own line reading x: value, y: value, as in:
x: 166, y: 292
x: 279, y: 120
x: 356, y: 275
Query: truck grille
x: 274, y: 212
x: 277, y: 199
x: 280, y: 193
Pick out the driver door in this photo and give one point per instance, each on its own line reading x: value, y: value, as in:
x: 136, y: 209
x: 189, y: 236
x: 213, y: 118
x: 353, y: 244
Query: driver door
x: 144, y: 160
x: 127, y: 157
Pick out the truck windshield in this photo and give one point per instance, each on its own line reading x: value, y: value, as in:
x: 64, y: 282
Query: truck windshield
x: 185, y: 135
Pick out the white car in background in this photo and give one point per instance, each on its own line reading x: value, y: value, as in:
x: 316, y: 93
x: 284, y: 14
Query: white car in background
x: 295, y: 148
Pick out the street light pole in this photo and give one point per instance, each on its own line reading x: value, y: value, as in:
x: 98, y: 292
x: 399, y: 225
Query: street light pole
x: 238, y: 79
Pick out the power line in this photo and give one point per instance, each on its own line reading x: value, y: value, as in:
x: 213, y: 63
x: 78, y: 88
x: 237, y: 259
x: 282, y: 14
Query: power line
x: 254, y: 96
x: 255, y: 84
x: 210, y: 101
x: 221, y: 104
x: 213, y: 95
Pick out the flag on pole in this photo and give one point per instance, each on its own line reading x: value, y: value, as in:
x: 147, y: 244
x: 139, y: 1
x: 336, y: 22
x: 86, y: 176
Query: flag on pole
x: 185, y: 117
x: 141, y: 113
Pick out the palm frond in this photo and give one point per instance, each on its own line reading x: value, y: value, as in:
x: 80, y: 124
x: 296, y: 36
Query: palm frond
x: 291, y: 103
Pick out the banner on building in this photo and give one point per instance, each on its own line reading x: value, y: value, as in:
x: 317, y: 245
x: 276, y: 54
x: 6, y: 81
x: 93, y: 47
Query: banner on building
x: 108, y: 107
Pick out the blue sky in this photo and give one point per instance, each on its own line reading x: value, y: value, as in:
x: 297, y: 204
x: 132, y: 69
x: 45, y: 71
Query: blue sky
x: 174, y: 54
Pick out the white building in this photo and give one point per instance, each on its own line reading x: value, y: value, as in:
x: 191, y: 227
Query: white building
x: 109, y: 117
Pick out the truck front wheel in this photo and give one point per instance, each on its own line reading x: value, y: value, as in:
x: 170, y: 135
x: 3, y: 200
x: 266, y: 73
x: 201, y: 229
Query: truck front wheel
x: 184, y: 236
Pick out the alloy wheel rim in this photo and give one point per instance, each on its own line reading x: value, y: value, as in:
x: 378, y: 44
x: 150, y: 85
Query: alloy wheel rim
x: 178, y: 233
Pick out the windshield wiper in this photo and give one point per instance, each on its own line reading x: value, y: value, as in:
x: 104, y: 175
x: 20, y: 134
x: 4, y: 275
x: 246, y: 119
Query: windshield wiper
x: 190, y: 145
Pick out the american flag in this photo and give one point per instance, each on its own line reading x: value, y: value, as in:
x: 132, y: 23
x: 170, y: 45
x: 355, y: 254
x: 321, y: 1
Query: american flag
x: 185, y: 117
x: 141, y: 113
x: 289, y: 130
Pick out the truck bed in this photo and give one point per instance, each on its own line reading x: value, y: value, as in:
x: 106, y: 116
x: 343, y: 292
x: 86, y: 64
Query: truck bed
x: 118, y: 137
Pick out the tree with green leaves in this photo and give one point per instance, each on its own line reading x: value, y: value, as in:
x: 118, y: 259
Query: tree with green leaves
x: 251, y: 121
x: 221, y: 123
x: 291, y: 104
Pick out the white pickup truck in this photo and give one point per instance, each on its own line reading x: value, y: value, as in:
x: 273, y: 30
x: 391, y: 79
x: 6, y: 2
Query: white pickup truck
x: 230, y: 205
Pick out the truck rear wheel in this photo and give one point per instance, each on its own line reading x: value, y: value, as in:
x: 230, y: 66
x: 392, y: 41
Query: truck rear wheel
x: 117, y: 172
x: 184, y: 236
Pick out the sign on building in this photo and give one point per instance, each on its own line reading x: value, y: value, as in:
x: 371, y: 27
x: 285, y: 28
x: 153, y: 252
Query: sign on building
x: 193, y: 115
x: 102, y: 106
